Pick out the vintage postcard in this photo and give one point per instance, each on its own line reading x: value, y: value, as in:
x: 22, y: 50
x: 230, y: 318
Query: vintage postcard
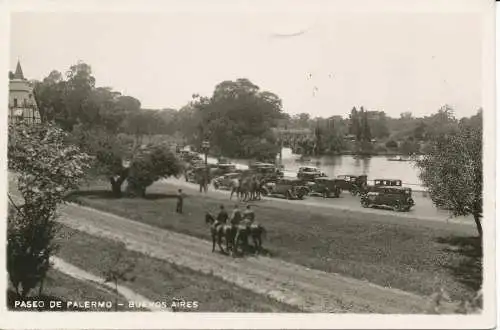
x: 231, y: 164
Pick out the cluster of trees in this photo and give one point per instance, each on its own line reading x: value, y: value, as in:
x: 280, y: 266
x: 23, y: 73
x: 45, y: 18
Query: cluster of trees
x: 237, y: 120
x: 108, y: 126
x: 372, y: 132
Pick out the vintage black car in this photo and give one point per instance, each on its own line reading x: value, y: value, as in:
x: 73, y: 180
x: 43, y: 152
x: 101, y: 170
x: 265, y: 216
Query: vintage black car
x: 326, y: 187
x: 397, y: 198
x: 309, y: 173
x: 225, y: 181
x: 355, y: 184
x: 266, y: 171
x: 291, y: 188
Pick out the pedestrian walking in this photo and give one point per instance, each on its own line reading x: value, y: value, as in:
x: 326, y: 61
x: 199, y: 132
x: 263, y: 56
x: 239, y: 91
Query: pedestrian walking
x: 180, y: 201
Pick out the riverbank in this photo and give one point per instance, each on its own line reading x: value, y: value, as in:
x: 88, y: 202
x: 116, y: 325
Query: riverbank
x: 399, y: 254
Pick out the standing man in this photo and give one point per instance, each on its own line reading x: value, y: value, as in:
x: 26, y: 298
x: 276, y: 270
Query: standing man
x: 180, y: 201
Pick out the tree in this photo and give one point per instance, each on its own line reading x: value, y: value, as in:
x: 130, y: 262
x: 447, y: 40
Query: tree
x: 110, y: 152
x: 452, y: 172
x: 47, y: 168
x: 409, y: 147
x: 151, y: 163
x: 391, y: 144
x: 366, y: 134
x: 119, y: 271
x: 354, y: 124
x: 238, y: 111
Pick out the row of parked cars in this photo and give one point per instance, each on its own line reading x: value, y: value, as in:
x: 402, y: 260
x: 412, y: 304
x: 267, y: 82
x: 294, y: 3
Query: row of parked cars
x: 310, y: 181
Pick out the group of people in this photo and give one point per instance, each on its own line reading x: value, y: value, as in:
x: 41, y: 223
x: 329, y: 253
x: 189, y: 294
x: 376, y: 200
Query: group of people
x: 247, y: 217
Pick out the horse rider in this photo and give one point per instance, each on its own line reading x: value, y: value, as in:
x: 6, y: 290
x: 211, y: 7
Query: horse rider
x: 222, y: 217
x: 236, y: 216
x: 248, y: 217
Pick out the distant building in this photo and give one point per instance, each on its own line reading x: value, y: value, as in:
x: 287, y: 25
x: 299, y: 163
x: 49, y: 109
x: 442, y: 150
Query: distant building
x: 22, y: 104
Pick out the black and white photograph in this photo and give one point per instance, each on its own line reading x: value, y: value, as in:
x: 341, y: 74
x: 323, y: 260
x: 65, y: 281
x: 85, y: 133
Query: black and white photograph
x: 251, y: 160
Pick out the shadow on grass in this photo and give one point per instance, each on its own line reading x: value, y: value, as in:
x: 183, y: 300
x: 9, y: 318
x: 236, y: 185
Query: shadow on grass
x: 469, y: 269
x: 107, y: 194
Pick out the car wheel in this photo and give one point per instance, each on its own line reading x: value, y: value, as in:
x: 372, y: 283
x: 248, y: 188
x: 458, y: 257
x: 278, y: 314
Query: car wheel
x: 288, y: 194
x: 216, y: 186
x: 365, y: 204
x: 398, y: 207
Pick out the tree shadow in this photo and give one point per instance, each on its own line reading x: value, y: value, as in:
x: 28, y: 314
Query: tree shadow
x: 469, y: 270
x: 107, y: 195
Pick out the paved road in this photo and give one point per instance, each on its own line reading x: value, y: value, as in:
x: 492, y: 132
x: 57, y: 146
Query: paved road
x: 423, y: 210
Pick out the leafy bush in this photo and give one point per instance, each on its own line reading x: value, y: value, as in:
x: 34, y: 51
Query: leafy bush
x: 151, y: 163
x: 391, y: 144
x: 48, y: 168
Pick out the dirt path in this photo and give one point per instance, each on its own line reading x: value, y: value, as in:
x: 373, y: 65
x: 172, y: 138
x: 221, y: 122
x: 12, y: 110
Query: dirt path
x: 80, y: 274
x: 310, y: 290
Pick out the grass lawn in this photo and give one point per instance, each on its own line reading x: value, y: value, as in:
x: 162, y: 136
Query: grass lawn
x: 61, y: 287
x: 158, y: 280
x: 408, y: 255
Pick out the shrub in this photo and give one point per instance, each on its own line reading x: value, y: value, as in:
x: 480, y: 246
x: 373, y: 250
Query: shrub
x: 48, y: 168
x: 151, y: 163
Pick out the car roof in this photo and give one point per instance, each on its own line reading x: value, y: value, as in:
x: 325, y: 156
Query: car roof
x: 309, y: 167
x: 394, y: 188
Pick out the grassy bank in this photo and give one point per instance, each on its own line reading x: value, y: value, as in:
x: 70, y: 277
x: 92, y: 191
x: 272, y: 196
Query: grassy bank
x: 158, y: 280
x: 377, y: 248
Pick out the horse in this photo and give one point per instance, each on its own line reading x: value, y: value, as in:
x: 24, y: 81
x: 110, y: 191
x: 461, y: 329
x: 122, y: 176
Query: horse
x: 245, y: 190
x: 257, y: 232
x: 240, y: 233
x: 218, y: 232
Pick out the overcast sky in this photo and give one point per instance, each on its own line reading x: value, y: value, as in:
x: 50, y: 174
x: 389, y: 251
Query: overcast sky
x: 327, y: 64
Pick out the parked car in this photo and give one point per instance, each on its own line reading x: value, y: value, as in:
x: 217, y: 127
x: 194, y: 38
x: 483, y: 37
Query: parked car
x: 291, y: 188
x: 326, y: 187
x: 309, y: 173
x: 397, y: 198
x: 355, y: 184
x: 269, y: 172
x: 225, y: 181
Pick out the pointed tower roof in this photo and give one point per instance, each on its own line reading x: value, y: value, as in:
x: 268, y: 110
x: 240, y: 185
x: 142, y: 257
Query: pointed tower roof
x: 19, y: 72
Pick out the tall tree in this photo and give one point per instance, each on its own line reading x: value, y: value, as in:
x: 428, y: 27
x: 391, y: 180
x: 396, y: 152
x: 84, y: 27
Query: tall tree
x: 366, y: 134
x: 354, y: 124
x: 452, y: 170
x: 236, y: 113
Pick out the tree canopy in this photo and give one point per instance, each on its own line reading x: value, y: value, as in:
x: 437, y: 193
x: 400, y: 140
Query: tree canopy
x: 237, y: 120
x: 452, y: 170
